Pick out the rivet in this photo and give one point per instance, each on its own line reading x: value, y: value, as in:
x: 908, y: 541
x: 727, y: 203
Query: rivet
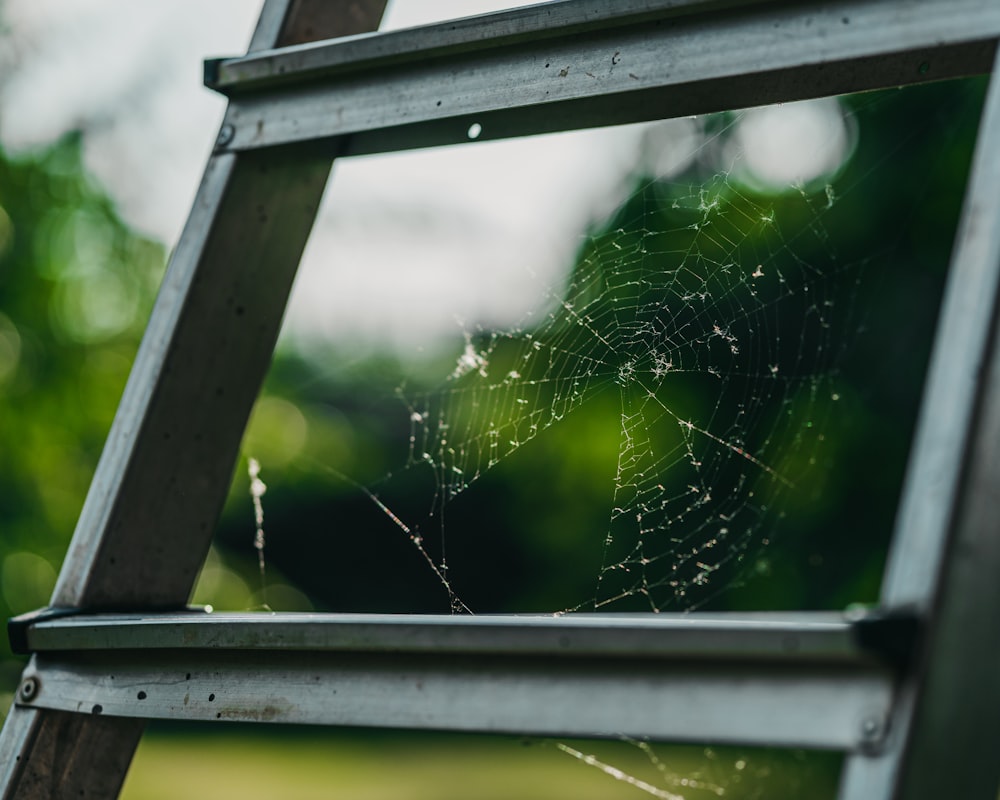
x: 872, y: 730
x: 29, y: 689
x: 226, y: 135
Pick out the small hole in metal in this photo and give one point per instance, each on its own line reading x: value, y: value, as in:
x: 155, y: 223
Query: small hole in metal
x: 475, y: 129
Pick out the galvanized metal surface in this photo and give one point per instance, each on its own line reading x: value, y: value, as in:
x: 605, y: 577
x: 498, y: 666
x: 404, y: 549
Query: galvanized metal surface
x: 536, y: 23
x: 945, y: 555
x: 785, y: 638
x: 874, y: 775
x: 802, y: 679
x: 960, y: 684
x: 268, y: 32
x: 806, y: 705
x: 543, y: 73
x: 946, y: 431
x: 163, y: 475
x: 55, y: 754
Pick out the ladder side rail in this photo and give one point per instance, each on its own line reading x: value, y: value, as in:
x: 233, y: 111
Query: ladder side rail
x: 945, y: 554
x: 163, y: 475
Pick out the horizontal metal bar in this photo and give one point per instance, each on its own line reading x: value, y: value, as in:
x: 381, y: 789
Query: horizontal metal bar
x: 812, y: 636
x: 581, y: 64
x: 555, y: 22
x: 799, y: 679
x: 516, y: 26
x: 801, y: 704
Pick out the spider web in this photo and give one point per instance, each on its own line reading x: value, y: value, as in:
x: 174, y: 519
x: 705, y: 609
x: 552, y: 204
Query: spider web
x: 692, y: 373
x: 704, y: 379
x: 680, y: 310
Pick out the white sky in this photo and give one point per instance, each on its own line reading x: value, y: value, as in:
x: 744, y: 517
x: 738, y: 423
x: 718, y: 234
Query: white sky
x: 408, y: 246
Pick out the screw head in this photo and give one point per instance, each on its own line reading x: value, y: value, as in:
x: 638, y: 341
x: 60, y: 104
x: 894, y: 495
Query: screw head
x: 29, y: 689
x: 226, y: 134
x: 872, y: 731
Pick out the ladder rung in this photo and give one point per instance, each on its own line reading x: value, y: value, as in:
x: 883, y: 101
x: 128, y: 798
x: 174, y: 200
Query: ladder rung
x: 425, y: 86
x: 803, y: 679
x: 783, y: 636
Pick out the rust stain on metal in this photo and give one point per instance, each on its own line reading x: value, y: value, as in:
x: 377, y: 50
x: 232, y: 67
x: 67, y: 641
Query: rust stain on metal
x: 264, y: 714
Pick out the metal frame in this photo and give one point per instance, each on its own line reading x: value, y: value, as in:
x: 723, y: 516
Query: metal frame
x: 785, y: 679
x: 946, y: 550
x: 668, y: 677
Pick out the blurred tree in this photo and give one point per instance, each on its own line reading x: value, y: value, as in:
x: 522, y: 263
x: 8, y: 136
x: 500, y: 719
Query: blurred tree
x: 76, y: 286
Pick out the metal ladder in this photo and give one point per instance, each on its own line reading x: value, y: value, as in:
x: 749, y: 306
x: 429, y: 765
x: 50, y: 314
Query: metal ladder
x: 910, y: 691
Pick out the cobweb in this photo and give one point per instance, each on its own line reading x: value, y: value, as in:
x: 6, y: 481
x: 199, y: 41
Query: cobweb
x: 704, y: 351
x: 698, y: 364
x: 720, y: 343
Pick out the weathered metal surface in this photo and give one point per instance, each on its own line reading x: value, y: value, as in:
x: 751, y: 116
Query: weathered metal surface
x: 570, y: 65
x: 960, y: 685
x: 806, y: 704
x: 945, y: 555
x: 802, y: 679
x: 778, y: 637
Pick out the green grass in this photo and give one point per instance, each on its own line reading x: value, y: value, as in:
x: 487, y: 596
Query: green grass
x: 224, y: 764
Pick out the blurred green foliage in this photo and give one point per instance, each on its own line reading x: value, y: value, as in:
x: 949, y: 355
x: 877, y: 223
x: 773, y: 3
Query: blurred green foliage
x: 75, y: 288
x: 376, y: 765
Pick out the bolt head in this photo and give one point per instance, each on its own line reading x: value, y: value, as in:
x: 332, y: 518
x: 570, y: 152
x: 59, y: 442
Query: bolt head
x: 226, y: 134
x: 873, y: 730
x: 29, y: 689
